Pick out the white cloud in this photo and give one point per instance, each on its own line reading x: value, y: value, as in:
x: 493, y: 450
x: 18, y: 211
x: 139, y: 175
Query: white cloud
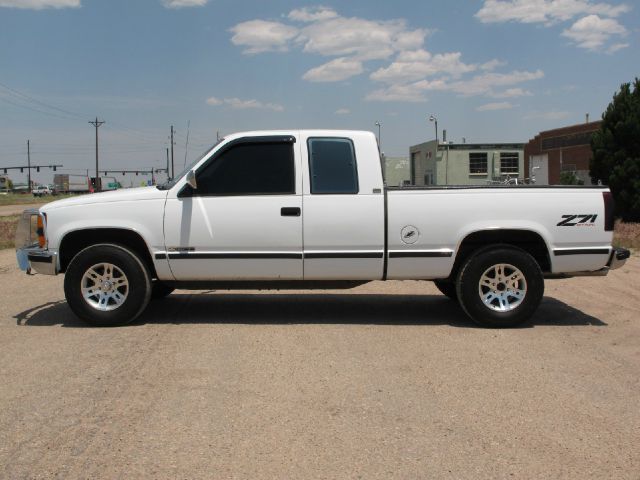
x: 544, y: 11
x: 552, y: 115
x: 334, y: 71
x: 328, y: 34
x: 263, y: 36
x: 486, y: 83
x: 240, y: 104
x: 512, y: 93
x: 352, y: 42
x: 617, y: 46
x: 39, y: 4
x: 184, y: 3
x: 492, y: 65
x: 213, y: 101
x: 412, y: 92
x: 342, y: 111
x: 414, y: 65
x: 489, y: 107
x: 311, y: 14
x: 593, y: 32
x: 479, y: 85
x: 364, y: 39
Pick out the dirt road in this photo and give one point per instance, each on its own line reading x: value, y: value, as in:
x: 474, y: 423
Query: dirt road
x: 6, y: 210
x: 386, y: 381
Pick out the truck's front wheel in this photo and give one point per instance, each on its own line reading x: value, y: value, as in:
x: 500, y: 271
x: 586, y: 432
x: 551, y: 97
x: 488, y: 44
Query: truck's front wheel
x: 447, y: 288
x: 500, y: 287
x: 107, y: 285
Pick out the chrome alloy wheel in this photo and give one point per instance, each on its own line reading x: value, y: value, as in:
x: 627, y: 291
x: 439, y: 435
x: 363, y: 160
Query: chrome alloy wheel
x: 502, y: 287
x: 104, y: 287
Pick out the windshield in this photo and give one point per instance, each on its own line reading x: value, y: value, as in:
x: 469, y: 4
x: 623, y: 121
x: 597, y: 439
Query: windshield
x: 171, y: 182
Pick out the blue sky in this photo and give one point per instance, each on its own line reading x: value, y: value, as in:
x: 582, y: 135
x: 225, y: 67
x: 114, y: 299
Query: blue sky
x: 492, y: 70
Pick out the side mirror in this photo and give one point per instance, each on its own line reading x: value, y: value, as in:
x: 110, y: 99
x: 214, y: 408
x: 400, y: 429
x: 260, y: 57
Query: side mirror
x: 191, y: 179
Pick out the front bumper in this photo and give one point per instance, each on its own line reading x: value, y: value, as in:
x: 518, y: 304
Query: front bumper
x: 38, y: 260
x: 32, y: 251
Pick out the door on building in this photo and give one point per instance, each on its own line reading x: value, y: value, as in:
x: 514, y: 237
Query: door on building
x: 539, y: 169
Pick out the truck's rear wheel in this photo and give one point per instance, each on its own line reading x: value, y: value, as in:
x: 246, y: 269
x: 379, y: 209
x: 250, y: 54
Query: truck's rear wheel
x: 500, y: 287
x: 107, y: 285
x: 160, y: 290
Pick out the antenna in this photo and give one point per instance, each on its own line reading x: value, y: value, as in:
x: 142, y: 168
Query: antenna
x: 186, y: 146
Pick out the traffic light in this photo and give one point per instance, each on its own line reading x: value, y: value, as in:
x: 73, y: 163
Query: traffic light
x: 37, y: 169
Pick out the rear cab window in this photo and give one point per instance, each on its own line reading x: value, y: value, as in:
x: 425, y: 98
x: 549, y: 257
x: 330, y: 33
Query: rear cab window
x: 332, y: 166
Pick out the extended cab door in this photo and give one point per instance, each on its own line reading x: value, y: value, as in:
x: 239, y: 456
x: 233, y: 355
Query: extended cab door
x: 343, y: 206
x: 243, y: 221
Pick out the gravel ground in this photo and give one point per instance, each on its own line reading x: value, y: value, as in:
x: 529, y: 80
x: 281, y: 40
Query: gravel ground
x: 384, y: 381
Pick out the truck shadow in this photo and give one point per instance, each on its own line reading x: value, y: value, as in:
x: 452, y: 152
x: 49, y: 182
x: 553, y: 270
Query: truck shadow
x: 282, y: 309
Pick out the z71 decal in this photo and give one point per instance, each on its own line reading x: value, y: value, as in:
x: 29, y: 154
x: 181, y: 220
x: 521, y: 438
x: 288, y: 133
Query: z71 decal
x: 578, y: 220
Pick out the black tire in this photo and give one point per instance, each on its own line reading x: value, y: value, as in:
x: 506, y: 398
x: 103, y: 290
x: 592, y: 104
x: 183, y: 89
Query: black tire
x: 109, y: 311
x: 509, y: 302
x: 160, y: 290
x: 447, y: 288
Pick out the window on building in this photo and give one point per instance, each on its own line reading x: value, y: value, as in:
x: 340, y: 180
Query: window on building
x: 428, y: 178
x: 478, y: 163
x: 332, y: 163
x: 250, y: 169
x: 509, y: 163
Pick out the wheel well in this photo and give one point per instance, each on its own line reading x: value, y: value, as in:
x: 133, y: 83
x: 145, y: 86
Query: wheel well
x: 74, y: 242
x: 526, y: 240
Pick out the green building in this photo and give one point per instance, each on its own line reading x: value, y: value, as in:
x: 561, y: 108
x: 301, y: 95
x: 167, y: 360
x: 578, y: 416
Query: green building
x: 396, y: 170
x: 440, y: 163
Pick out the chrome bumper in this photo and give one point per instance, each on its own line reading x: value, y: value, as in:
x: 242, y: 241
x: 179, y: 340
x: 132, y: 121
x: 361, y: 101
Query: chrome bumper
x: 618, y: 258
x: 38, y: 260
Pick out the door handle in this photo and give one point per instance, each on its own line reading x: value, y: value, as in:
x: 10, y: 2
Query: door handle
x: 290, y: 211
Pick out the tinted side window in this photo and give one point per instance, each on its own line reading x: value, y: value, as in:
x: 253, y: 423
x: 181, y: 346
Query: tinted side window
x: 332, y: 163
x: 250, y: 169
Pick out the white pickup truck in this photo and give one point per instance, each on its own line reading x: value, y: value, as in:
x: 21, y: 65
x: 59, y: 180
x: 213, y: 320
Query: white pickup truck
x: 309, y: 209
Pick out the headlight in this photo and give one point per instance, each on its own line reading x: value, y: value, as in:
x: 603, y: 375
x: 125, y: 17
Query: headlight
x: 31, y: 230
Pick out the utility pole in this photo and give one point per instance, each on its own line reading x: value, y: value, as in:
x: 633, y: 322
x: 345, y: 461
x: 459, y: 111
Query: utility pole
x: 97, y: 124
x: 29, y: 163
x: 173, y: 172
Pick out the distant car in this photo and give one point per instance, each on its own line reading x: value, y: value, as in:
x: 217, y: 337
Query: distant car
x: 41, y: 190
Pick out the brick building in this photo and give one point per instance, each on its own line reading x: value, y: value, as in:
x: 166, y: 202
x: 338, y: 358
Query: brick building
x: 566, y: 149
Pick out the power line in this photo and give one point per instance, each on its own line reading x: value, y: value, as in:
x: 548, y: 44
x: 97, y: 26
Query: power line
x: 17, y: 95
x: 29, y: 98
x: 28, y: 107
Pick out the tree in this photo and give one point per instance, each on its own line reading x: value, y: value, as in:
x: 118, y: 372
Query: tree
x: 570, y: 178
x: 616, y: 151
